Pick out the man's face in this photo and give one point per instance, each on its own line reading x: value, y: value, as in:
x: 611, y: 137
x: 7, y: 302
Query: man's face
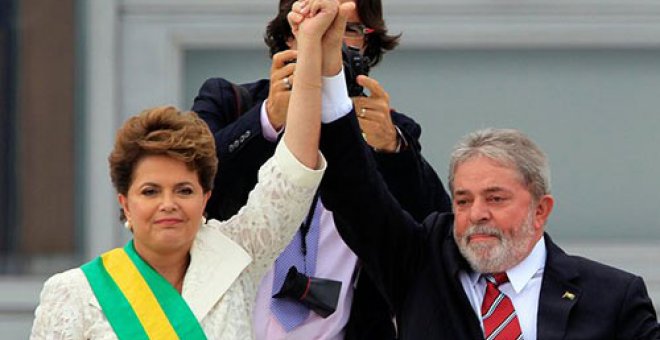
x: 352, y: 36
x: 497, y: 222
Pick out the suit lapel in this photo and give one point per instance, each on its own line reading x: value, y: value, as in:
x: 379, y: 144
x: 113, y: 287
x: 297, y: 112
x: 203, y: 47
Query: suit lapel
x: 215, y: 263
x: 558, y: 293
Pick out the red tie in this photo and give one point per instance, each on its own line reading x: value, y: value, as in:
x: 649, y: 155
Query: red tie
x: 497, y: 312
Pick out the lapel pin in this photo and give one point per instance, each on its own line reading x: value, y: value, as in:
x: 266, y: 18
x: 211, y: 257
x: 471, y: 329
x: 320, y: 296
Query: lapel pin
x: 568, y: 296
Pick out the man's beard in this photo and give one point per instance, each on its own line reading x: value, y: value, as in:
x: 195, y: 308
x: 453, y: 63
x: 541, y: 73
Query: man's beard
x: 511, y: 249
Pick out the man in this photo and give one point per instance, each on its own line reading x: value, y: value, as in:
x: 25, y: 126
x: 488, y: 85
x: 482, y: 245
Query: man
x: 488, y: 270
x: 247, y: 139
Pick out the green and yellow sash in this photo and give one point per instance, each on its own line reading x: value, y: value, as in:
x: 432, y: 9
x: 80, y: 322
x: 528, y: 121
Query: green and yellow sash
x: 137, y: 301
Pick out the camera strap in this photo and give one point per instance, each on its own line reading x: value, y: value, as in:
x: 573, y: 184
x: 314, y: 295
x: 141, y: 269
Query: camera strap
x: 242, y: 98
x: 304, y: 229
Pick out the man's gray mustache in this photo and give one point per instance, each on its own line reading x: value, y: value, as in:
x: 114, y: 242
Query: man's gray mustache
x: 483, y: 230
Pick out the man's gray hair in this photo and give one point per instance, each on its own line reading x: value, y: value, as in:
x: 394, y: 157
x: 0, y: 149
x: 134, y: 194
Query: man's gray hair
x: 508, y: 147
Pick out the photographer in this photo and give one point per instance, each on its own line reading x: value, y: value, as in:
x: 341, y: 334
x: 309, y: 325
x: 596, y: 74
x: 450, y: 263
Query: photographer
x: 246, y: 121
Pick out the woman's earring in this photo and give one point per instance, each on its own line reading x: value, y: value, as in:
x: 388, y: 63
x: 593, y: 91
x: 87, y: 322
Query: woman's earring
x: 128, y: 225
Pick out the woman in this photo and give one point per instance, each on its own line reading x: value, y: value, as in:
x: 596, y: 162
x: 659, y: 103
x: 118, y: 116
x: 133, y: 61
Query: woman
x: 180, y: 277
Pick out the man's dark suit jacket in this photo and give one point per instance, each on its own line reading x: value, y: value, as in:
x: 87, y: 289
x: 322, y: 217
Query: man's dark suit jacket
x: 418, y: 265
x: 242, y: 149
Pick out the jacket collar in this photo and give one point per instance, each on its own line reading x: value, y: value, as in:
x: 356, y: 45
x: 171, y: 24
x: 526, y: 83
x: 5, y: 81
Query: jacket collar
x: 559, y: 293
x: 215, y: 263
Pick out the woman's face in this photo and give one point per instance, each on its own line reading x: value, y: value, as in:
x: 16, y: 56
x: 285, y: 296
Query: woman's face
x: 164, y: 205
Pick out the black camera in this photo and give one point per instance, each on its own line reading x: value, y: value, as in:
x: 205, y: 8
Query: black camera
x: 354, y: 65
x: 318, y: 294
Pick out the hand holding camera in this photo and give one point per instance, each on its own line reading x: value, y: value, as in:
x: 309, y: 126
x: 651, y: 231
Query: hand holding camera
x: 281, y: 83
x: 373, y: 111
x: 374, y: 116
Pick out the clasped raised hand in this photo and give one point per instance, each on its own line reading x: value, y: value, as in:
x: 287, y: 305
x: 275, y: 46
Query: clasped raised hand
x: 310, y: 19
x: 330, y: 31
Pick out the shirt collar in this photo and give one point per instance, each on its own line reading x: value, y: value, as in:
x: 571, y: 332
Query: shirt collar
x: 524, y: 271
x: 521, y: 273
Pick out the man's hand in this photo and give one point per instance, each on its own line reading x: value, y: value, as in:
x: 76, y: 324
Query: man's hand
x: 374, y: 116
x: 333, y: 39
x: 281, y: 82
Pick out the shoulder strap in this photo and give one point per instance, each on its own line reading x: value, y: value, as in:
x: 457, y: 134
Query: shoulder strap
x: 243, y: 99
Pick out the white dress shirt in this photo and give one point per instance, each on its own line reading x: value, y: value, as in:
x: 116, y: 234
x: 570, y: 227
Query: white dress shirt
x: 334, y: 259
x: 523, y: 288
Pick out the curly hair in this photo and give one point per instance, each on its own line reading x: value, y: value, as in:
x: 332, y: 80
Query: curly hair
x: 278, y: 31
x: 166, y: 131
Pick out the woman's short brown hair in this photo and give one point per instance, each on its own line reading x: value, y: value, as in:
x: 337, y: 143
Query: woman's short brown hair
x: 166, y: 131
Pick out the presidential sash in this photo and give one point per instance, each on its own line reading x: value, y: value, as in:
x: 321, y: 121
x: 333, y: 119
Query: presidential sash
x: 137, y: 301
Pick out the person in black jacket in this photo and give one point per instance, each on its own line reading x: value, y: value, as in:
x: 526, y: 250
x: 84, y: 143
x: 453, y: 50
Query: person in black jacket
x: 450, y: 275
x: 246, y: 128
